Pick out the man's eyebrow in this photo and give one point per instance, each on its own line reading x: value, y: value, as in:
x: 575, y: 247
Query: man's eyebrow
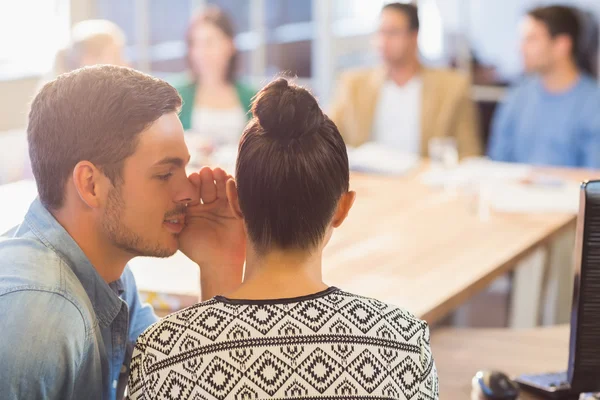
x: 176, y: 161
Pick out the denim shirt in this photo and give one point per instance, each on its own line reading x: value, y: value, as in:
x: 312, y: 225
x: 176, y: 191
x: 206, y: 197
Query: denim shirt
x: 66, y: 333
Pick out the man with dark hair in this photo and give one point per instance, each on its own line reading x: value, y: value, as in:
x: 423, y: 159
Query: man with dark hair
x: 552, y: 117
x: 108, y: 155
x: 402, y: 104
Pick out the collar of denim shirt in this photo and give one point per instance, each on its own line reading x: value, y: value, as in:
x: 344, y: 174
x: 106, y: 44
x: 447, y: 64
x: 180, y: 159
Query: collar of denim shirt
x: 104, y: 297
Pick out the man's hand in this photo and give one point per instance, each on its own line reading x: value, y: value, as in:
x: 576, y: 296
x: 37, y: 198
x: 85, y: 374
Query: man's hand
x: 213, y: 237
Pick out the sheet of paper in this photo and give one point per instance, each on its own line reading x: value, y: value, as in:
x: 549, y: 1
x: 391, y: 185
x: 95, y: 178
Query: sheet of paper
x: 474, y: 170
x: 504, y: 189
x: 531, y: 198
x: 377, y: 159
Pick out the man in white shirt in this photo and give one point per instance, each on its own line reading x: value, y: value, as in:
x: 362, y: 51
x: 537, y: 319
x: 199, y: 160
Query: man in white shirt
x: 403, y: 104
x: 397, y: 120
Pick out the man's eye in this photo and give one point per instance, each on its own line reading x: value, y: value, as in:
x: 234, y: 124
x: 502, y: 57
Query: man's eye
x: 165, y: 177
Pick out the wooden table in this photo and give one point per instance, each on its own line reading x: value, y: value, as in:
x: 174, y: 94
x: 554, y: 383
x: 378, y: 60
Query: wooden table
x: 418, y: 247
x: 404, y: 243
x: 460, y: 353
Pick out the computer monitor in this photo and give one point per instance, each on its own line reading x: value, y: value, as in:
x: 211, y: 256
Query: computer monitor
x: 583, y: 374
x: 584, y: 349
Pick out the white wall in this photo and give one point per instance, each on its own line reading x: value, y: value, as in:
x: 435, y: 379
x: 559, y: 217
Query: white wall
x: 15, y: 97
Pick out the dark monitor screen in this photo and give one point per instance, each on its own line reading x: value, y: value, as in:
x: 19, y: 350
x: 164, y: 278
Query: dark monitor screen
x: 584, y: 348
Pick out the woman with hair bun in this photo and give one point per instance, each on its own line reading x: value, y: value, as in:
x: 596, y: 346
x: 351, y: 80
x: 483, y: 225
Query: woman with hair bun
x: 285, y: 333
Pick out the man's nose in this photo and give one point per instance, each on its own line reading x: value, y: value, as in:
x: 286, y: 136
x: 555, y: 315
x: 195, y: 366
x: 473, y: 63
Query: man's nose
x: 188, y: 193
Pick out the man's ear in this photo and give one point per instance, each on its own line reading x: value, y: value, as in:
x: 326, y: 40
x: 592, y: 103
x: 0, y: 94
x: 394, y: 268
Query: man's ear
x: 344, y: 205
x: 232, y: 197
x: 565, y: 44
x: 91, y: 184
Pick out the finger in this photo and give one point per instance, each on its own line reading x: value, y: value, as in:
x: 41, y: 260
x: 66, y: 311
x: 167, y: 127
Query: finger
x: 196, y: 181
x: 208, y: 190
x: 221, y: 182
x: 231, y: 194
x: 226, y: 173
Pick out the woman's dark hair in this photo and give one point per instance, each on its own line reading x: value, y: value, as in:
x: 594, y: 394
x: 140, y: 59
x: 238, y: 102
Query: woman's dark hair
x: 292, y: 169
x: 215, y: 16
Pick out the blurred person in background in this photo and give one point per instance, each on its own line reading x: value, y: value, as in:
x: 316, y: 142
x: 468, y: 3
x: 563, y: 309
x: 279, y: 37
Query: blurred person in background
x: 403, y: 104
x: 92, y: 42
x: 553, y: 116
x: 215, y: 102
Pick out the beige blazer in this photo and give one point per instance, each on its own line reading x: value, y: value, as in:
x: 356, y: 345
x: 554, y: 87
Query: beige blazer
x: 447, y: 108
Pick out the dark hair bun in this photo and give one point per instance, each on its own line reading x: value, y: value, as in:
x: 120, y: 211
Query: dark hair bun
x: 286, y: 111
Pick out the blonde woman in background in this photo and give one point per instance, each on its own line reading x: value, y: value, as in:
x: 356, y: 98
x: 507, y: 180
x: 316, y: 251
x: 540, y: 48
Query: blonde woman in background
x: 92, y: 42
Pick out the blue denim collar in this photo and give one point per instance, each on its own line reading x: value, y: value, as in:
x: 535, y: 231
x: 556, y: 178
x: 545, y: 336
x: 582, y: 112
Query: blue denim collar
x: 104, y: 297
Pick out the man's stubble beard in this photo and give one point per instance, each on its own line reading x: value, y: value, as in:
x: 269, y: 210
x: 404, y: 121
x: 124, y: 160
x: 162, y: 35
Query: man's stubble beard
x: 124, y: 238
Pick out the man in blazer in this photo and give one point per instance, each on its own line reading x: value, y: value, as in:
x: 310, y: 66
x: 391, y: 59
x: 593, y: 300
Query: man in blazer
x: 402, y: 104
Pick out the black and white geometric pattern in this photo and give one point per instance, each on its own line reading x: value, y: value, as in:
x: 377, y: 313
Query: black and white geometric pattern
x: 331, y: 345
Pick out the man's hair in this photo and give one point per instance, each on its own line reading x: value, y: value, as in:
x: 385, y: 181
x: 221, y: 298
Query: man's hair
x: 560, y: 20
x: 92, y: 114
x: 410, y: 10
x: 292, y: 169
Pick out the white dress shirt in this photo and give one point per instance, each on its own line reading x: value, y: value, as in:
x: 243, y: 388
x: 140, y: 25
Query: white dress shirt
x: 397, y: 123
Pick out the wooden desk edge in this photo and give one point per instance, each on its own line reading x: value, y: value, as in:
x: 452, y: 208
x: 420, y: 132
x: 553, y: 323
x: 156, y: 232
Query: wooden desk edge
x: 441, y: 311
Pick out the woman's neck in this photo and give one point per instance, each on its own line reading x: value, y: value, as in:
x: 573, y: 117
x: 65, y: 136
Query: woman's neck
x: 280, y: 274
x: 213, y: 81
x: 561, y: 78
x: 402, y: 73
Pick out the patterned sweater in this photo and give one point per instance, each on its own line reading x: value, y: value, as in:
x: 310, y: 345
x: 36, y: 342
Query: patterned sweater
x: 330, y: 345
